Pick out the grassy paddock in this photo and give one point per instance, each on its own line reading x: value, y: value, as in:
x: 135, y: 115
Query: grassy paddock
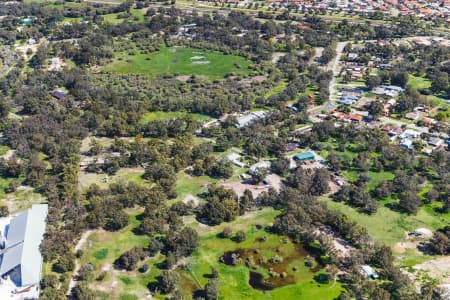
x: 191, y: 185
x: 234, y: 279
x: 388, y: 226
x: 163, y: 115
x: 103, y: 248
x: 181, y: 61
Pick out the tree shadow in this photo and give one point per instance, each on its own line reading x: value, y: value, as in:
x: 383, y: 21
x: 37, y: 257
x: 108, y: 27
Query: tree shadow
x: 199, y: 294
x: 322, y: 278
x: 209, y: 276
x: 153, y: 286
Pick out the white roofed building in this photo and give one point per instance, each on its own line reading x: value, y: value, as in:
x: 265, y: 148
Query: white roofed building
x: 20, y: 258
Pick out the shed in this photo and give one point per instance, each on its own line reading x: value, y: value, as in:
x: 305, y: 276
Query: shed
x: 369, y: 272
x: 21, y: 258
x: 59, y: 94
x: 262, y: 165
x: 304, y: 156
x: 27, y: 21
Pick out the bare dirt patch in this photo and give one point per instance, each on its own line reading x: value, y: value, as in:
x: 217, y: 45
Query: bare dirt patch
x: 401, y: 247
x: 85, y: 179
x: 183, y: 78
x: 276, y: 56
x: 334, y: 188
x: 85, y: 143
x: 341, y: 245
x: 437, y: 268
x: 191, y: 199
x: 240, y: 187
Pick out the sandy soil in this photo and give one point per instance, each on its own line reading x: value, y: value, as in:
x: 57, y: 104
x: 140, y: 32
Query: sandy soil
x: 276, y: 56
x: 78, y: 246
x: 240, y: 187
x: 401, y: 247
x: 191, y: 199
x: 437, y: 268
x: 104, y: 141
x: 341, y: 245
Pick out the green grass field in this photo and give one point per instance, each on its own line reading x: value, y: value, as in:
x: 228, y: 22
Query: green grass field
x: 136, y: 16
x: 388, y: 226
x: 191, y: 185
x: 419, y: 82
x: 103, y: 248
x: 180, y: 61
x: 163, y: 115
x: 234, y: 279
x: 3, y: 150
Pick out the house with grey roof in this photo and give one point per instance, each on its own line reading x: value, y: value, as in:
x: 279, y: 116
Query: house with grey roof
x: 20, y: 256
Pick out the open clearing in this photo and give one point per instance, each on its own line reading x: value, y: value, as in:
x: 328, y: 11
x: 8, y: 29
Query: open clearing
x: 438, y: 269
x: 388, y: 226
x: 234, y: 280
x: 102, y: 248
x: 164, y: 115
x: 103, y: 180
x: 180, y: 61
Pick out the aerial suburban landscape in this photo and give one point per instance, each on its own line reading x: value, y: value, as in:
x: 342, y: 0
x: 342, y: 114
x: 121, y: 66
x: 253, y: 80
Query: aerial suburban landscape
x: 225, y: 149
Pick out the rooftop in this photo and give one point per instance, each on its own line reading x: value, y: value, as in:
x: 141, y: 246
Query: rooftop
x: 24, y: 236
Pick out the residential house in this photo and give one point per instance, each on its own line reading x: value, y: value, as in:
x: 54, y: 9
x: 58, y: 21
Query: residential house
x: 304, y: 156
x: 235, y: 159
x: 406, y: 144
x: 369, y: 272
x: 412, y: 116
x: 429, y: 121
x: 262, y: 165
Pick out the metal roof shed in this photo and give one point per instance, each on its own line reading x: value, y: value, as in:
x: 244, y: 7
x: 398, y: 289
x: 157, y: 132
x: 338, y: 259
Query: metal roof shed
x: 304, y: 156
x: 25, y: 234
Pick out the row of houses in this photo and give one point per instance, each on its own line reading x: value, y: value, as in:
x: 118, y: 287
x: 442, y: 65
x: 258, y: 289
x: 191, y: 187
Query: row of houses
x: 407, y: 137
x: 346, y: 117
x: 388, y: 90
x: 250, y: 117
x: 349, y: 96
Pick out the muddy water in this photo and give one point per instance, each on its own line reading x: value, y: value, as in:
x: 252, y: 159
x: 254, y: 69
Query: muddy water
x: 279, y: 273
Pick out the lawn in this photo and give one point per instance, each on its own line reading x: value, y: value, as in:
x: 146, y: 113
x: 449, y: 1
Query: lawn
x: 103, y: 180
x: 163, y: 115
x: 3, y: 150
x: 23, y: 198
x: 180, y: 61
x: 234, y: 280
x: 419, y: 82
x: 281, y: 85
x: 135, y: 14
x: 388, y: 226
x: 103, y: 248
x: 376, y: 177
x: 191, y: 185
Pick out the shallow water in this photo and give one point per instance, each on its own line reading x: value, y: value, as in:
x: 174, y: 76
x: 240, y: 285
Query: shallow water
x: 279, y: 273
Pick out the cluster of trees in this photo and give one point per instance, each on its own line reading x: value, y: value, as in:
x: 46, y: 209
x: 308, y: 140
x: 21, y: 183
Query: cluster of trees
x: 410, y: 172
x: 313, y: 182
x: 223, y: 205
x: 357, y: 196
x: 303, y: 213
x: 440, y: 243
